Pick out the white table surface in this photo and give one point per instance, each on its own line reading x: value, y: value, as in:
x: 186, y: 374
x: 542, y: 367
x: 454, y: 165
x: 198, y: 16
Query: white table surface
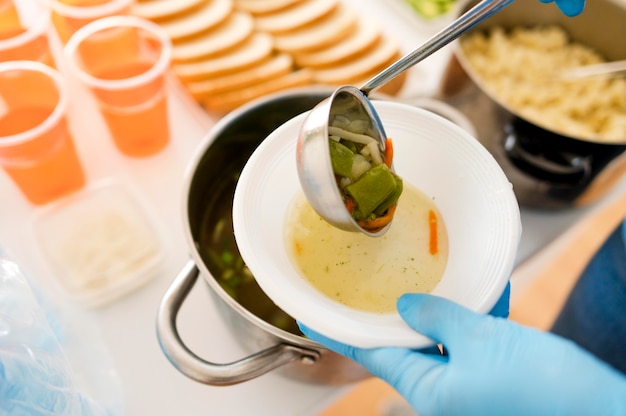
x: 150, y: 384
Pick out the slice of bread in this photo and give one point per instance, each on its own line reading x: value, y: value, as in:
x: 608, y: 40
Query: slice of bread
x: 365, y: 35
x: 275, y: 67
x: 251, y: 52
x: 228, y: 52
x: 237, y: 28
x: 210, y: 15
x: 391, y: 87
x: 163, y: 9
x: 293, y: 17
x: 263, y: 6
x: 370, y: 60
x: 330, y: 29
x: 223, y: 103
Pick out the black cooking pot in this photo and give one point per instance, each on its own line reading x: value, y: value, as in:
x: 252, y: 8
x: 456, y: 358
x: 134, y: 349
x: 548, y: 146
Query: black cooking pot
x: 547, y: 169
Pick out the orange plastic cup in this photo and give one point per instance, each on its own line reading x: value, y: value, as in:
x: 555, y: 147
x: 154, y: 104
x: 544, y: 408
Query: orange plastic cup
x: 24, y: 36
x: 36, y: 148
x: 70, y: 15
x: 10, y: 23
x: 123, y: 61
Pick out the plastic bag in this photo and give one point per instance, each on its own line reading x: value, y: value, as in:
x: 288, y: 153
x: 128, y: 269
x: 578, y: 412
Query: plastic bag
x: 36, y: 377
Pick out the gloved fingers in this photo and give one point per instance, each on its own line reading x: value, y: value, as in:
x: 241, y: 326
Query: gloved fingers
x: 571, y: 7
x: 501, y: 308
x: 568, y: 7
x: 411, y: 373
x: 437, y: 318
x: 348, y: 350
x: 376, y: 360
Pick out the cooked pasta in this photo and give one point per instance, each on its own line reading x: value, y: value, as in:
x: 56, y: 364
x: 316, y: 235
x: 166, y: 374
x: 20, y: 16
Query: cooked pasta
x: 520, y: 67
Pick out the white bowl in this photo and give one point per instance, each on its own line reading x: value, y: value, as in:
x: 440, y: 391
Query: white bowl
x: 438, y: 157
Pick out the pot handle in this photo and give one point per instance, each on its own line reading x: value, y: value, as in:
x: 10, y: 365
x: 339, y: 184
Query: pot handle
x: 204, y: 371
x: 552, y: 165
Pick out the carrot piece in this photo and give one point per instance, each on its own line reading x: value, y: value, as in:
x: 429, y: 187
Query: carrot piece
x: 379, y: 222
x: 432, y: 223
x: 298, y: 247
x: 388, y: 152
x: 350, y: 204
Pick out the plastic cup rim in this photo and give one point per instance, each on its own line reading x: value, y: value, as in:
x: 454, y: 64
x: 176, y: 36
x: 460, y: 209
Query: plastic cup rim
x: 111, y: 22
x: 38, y: 28
x: 59, y: 109
x: 88, y: 12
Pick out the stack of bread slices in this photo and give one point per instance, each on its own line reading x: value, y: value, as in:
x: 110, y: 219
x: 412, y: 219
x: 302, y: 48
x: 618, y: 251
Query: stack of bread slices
x: 228, y: 52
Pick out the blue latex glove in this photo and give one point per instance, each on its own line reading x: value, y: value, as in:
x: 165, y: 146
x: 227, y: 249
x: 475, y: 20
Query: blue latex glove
x: 493, y: 366
x: 568, y: 7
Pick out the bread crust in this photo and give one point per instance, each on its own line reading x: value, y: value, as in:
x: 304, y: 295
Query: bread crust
x: 237, y: 28
x: 365, y: 34
x: 346, y: 72
x: 328, y: 30
x: 258, y: 7
x: 295, y: 16
x: 252, y: 52
x: 227, y: 52
x: 164, y: 9
x: 211, y: 14
x: 274, y: 67
x: 222, y: 103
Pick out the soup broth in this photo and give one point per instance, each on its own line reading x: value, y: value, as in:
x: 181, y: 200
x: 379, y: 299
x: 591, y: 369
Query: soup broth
x: 369, y: 273
x: 219, y: 252
x: 210, y: 214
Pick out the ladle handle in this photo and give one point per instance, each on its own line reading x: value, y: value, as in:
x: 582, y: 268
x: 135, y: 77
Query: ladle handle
x: 465, y: 22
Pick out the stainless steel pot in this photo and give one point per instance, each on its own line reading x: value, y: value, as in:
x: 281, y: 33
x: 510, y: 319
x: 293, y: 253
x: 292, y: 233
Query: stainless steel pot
x: 547, y: 169
x: 227, y: 147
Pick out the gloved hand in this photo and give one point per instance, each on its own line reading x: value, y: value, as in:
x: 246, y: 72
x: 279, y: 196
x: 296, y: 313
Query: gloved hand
x: 493, y: 366
x: 568, y: 7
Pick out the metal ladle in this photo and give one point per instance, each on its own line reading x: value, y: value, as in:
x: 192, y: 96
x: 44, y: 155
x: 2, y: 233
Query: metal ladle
x: 312, y: 154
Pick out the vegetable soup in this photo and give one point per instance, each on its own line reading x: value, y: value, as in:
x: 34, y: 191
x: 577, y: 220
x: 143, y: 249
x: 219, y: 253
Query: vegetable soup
x: 368, y: 273
x: 220, y: 254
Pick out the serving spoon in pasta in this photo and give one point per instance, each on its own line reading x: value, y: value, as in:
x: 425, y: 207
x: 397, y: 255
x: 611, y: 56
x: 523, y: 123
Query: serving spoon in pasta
x: 367, y: 208
x: 610, y: 69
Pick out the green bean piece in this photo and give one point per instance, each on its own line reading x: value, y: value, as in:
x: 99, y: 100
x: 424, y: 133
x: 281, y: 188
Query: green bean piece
x: 340, y: 158
x: 371, y: 190
x: 391, y: 199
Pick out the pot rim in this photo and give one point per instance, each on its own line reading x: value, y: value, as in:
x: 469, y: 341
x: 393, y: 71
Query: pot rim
x: 457, y: 53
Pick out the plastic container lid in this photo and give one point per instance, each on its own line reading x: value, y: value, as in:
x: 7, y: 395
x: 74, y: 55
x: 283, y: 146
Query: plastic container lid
x: 100, y: 242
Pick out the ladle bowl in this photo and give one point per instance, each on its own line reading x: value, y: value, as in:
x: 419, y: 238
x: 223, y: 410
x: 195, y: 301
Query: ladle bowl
x: 313, y: 159
x: 312, y: 152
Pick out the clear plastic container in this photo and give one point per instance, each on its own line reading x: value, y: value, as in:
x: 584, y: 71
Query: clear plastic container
x: 100, y: 242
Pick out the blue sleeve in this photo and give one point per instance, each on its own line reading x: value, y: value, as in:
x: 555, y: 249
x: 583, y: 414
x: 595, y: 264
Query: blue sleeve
x: 594, y: 315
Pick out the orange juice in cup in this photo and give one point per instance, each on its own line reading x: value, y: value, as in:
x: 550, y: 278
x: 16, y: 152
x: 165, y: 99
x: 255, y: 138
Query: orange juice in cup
x: 24, y: 36
x: 36, y: 148
x: 70, y: 15
x: 10, y: 24
x: 136, y: 121
x: 123, y: 61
